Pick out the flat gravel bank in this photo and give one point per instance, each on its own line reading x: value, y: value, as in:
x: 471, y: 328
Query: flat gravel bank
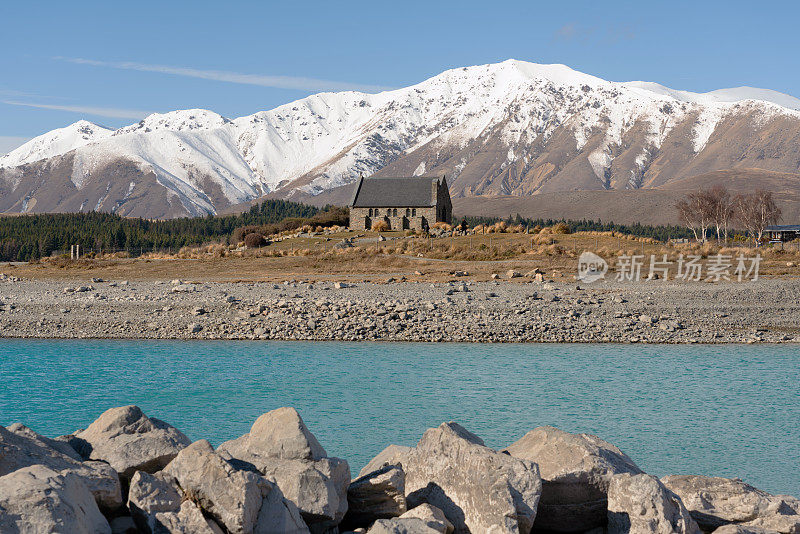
x: 497, y: 311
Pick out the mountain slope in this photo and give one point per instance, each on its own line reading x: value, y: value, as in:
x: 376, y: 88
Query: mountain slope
x: 652, y: 205
x: 511, y: 128
x: 56, y: 142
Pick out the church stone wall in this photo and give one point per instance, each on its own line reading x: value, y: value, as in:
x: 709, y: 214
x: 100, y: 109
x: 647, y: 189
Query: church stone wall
x: 361, y: 220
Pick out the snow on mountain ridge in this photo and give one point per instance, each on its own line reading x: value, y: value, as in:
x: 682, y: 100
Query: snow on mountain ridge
x: 56, y: 142
x: 555, y: 72
x: 181, y: 160
x: 738, y: 94
x: 331, y: 138
x: 731, y: 95
x: 180, y: 120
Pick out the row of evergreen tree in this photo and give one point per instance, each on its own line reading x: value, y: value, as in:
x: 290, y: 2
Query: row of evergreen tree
x: 30, y: 237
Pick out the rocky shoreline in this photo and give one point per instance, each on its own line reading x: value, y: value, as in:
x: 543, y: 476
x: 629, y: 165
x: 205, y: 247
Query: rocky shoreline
x: 513, y: 310
x: 129, y: 473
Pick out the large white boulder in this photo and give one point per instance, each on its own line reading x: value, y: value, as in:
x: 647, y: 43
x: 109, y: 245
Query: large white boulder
x: 408, y: 525
x: 432, y: 516
x: 743, y: 529
x: 576, y: 470
x: 61, y: 446
x: 280, y: 433
x: 37, y: 499
x: 391, y: 455
x: 377, y: 495
x: 641, y: 504
x: 716, y: 501
x: 149, y: 494
x: 23, y: 447
x: 157, y: 504
x: 477, y: 488
x: 130, y: 441
x: 242, y: 502
x: 188, y: 519
x: 280, y: 447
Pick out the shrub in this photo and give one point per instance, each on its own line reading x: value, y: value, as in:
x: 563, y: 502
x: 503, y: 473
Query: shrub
x: 498, y: 227
x: 561, y: 228
x: 380, y: 226
x: 219, y: 250
x: 333, y: 216
x: 254, y: 240
x: 239, y: 233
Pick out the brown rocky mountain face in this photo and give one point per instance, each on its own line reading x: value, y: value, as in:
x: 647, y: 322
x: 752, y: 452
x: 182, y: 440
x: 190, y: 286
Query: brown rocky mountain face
x: 648, y: 205
x: 120, y: 187
x: 745, y: 141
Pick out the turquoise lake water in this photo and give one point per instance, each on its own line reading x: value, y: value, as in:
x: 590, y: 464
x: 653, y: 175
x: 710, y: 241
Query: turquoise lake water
x: 716, y: 410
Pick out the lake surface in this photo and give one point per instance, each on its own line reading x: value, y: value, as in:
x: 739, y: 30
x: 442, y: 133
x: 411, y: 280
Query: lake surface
x: 721, y: 410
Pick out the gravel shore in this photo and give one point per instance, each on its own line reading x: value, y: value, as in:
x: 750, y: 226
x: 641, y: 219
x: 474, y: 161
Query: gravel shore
x: 463, y: 311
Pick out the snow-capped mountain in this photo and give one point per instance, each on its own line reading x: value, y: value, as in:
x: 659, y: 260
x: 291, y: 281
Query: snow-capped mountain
x: 56, y: 142
x: 511, y: 128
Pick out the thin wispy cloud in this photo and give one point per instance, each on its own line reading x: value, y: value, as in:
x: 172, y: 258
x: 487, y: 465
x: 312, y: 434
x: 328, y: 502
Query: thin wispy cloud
x: 572, y: 32
x: 116, y: 113
x: 13, y: 93
x: 567, y: 32
x: 278, y: 82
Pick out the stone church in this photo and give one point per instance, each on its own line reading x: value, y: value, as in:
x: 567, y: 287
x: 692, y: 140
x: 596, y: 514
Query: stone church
x: 413, y: 203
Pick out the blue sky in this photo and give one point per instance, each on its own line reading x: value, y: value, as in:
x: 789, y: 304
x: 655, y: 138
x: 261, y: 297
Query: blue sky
x: 114, y: 62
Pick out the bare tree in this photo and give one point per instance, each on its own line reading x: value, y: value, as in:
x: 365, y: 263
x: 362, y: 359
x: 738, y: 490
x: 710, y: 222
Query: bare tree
x: 687, y: 215
x: 756, y: 211
x: 721, y: 210
x: 697, y: 212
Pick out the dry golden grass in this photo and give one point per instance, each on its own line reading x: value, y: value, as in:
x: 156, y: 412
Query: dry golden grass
x: 561, y: 228
x: 400, y: 255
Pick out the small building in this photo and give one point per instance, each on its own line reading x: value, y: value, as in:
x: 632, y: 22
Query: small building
x: 413, y: 203
x: 783, y: 233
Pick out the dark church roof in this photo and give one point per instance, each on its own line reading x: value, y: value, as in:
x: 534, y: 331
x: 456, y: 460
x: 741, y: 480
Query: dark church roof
x: 414, y: 192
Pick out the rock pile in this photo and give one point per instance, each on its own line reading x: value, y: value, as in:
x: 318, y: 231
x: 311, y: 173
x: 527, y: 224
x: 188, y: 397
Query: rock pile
x: 576, y: 472
x: 129, y: 473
